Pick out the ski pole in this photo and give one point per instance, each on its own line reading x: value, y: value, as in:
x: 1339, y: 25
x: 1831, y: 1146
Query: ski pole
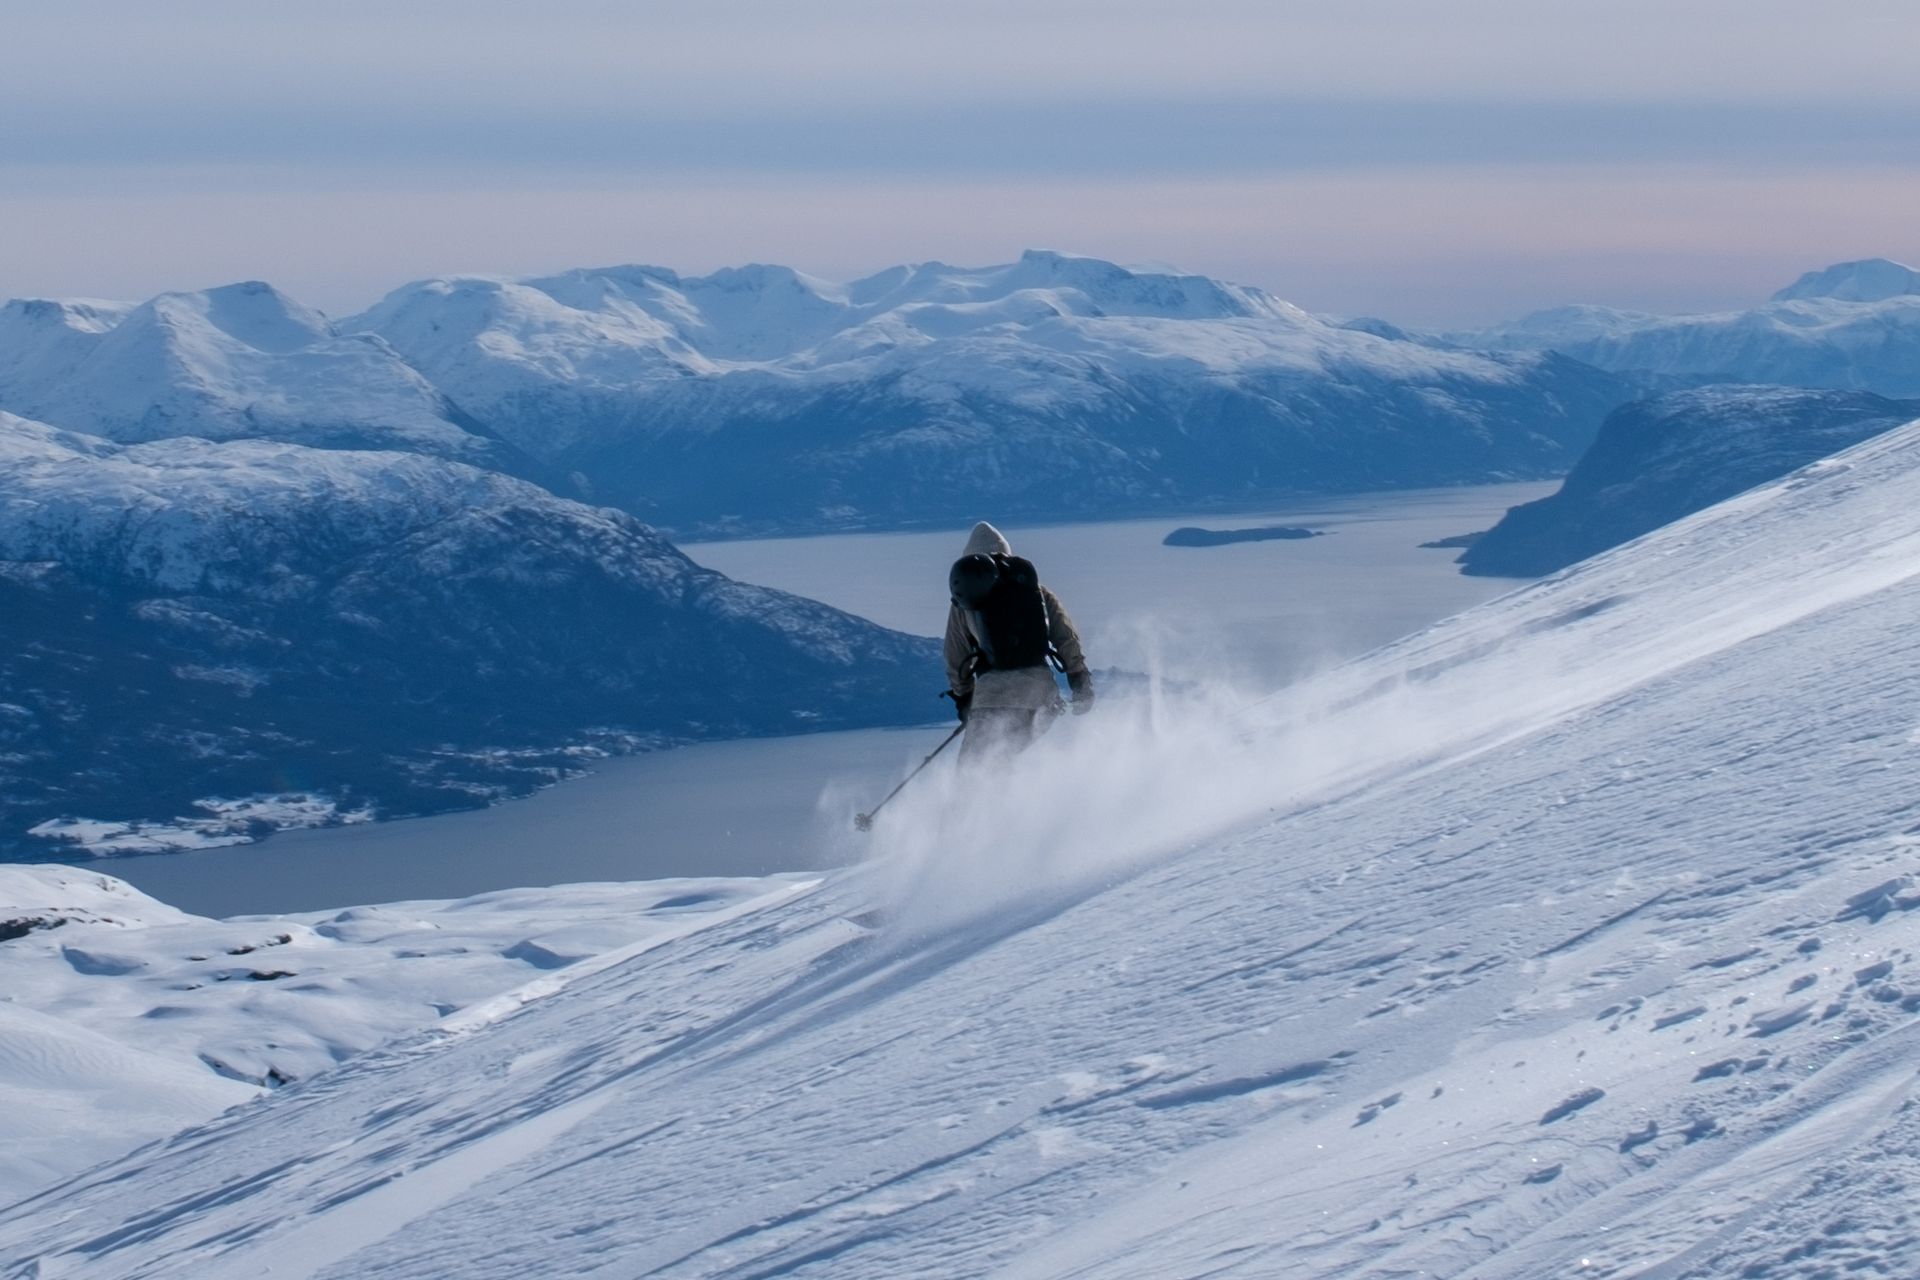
x: 864, y: 821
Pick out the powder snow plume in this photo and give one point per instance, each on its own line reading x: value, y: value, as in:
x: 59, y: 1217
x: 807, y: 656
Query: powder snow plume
x: 1148, y: 775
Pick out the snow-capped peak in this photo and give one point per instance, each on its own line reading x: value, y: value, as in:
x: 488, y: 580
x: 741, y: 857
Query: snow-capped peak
x: 251, y: 312
x: 43, y: 342
x: 19, y: 316
x: 761, y: 314
x: 1868, y: 280
x: 1850, y: 327
x: 593, y: 370
x: 238, y: 360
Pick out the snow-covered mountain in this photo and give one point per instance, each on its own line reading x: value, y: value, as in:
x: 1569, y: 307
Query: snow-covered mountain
x: 239, y: 362
x: 1869, y: 280
x: 193, y: 623
x: 1660, y: 459
x: 1854, y: 326
x: 1574, y: 936
x: 761, y: 398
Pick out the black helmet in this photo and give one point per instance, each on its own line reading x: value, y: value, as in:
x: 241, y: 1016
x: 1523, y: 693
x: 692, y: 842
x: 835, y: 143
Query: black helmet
x: 972, y: 578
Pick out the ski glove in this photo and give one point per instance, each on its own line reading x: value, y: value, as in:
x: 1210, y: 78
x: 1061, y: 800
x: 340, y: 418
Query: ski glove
x: 1082, y: 686
x: 960, y: 703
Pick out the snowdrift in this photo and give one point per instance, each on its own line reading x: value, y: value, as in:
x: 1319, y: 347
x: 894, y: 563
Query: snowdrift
x: 1570, y: 937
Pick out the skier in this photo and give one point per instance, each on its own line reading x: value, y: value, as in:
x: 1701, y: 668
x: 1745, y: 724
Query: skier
x: 1005, y: 634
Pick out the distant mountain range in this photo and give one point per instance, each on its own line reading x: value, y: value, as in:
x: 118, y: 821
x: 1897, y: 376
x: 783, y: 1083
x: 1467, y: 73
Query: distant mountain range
x: 760, y: 399
x: 1664, y: 458
x: 1854, y: 326
x: 191, y: 623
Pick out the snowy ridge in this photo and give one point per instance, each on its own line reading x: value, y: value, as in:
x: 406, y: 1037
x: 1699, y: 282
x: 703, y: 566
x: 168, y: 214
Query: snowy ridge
x: 194, y: 515
x: 1562, y: 327
x: 240, y: 361
x: 1869, y: 280
x: 760, y: 398
x: 615, y: 327
x: 1573, y: 936
x: 1851, y: 327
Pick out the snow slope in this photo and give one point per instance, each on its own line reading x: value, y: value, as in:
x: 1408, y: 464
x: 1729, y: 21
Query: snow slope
x: 1570, y: 937
x: 209, y: 639
x: 243, y: 361
x: 71, y: 1095
x: 760, y: 398
x: 125, y: 1020
x: 1658, y: 459
x: 1854, y: 326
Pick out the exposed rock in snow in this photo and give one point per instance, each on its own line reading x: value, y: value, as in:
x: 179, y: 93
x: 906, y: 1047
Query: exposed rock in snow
x: 1574, y: 936
x: 760, y: 398
x: 189, y: 621
x: 1660, y: 459
x: 1853, y: 327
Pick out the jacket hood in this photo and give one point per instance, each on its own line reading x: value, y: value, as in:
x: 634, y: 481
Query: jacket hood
x: 985, y: 540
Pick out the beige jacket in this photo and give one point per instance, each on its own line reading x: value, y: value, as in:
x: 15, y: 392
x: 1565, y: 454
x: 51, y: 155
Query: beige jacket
x: 1033, y: 687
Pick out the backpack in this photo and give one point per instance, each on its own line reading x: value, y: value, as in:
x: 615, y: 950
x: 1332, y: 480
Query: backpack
x: 1007, y: 615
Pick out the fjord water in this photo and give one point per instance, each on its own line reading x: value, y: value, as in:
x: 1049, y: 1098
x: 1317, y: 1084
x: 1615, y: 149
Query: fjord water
x: 1256, y: 614
x: 1261, y: 613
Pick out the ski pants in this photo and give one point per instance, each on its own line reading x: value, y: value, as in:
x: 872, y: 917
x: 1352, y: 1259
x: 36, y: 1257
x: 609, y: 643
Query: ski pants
x: 1000, y: 732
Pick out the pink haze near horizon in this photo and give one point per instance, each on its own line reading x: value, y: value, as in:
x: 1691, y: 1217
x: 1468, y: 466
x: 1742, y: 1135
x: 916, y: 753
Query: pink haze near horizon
x: 1433, y: 165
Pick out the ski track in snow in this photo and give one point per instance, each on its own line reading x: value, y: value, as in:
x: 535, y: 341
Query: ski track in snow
x: 371, y: 1214
x: 1610, y: 976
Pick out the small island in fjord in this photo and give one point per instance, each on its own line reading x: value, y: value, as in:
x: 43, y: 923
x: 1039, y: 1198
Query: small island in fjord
x: 1456, y: 542
x: 1193, y: 536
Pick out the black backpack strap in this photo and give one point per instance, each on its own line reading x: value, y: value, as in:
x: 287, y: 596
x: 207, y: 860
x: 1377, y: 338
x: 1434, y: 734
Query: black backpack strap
x: 1053, y: 654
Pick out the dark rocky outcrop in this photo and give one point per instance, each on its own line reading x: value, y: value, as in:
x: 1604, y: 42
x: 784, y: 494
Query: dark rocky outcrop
x: 1658, y: 460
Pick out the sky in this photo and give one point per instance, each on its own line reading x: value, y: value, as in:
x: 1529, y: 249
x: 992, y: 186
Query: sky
x: 1441, y: 164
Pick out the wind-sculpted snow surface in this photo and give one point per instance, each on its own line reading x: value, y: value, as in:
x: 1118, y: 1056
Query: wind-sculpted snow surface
x: 760, y: 398
x: 239, y: 362
x: 1659, y: 459
x: 190, y: 624
x: 1573, y: 936
x: 126, y: 1020
x: 1852, y: 327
